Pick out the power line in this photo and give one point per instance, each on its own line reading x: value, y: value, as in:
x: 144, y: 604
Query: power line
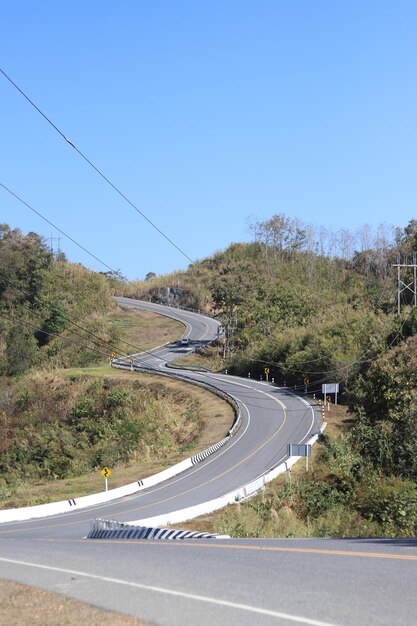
x: 95, y: 168
x: 327, y: 372
x: 90, y: 333
x: 119, y: 341
x: 347, y: 366
x: 128, y: 282
x: 67, y: 339
x: 136, y: 348
x: 56, y: 227
x: 115, y: 188
x: 62, y: 232
x: 94, y: 349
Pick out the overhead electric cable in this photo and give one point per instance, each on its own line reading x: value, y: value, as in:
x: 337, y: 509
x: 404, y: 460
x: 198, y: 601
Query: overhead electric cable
x: 96, y: 169
x: 119, y: 341
x: 360, y: 361
x: 347, y: 366
x: 88, y: 332
x: 137, y: 348
x: 77, y: 343
x: 56, y: 227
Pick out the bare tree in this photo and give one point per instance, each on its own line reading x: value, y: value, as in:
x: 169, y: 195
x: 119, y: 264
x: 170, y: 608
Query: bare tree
x: 384, y: 241
x: 345, y: 243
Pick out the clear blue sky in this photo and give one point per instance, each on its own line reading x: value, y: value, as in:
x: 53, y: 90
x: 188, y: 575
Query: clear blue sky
x: 206, y: 114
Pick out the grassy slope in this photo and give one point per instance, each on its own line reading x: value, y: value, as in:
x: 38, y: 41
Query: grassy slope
x: 142, y: 330
x: 308, y: 316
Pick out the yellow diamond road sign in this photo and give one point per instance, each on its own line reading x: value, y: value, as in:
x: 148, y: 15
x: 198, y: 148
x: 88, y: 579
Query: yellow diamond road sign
x: 106, y: 471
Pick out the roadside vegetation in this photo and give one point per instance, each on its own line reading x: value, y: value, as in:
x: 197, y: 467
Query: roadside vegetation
x: 361, y: 483
x: 310, y: 306
x: 52, y: 313
x: 64, y: 412
x: 317, y: 307
x: 62, y: 427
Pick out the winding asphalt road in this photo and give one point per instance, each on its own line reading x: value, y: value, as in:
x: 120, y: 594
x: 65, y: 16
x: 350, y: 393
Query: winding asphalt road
x: 218, y: 582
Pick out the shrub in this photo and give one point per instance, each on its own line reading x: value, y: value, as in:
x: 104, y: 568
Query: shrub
x: 391, y: 503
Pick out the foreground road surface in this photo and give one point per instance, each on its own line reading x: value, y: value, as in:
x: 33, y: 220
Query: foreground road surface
x: 244, y: 582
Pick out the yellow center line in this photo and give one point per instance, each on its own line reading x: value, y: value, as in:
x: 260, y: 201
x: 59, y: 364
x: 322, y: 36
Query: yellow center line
x: 207, y: 482
x: 192, y: 544
x: 182, y: 493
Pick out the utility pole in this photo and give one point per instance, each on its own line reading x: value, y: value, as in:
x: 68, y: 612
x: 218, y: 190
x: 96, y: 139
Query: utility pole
x: 58, y: 239
x: 402, y: 266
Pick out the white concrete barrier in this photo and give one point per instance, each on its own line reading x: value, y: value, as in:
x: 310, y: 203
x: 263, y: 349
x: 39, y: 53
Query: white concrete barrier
x: 72, y: 504
x: 246, y: 491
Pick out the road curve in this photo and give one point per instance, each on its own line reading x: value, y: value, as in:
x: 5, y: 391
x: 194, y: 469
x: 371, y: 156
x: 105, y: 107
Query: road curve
x: 270, y: 419
x: 270, y: 581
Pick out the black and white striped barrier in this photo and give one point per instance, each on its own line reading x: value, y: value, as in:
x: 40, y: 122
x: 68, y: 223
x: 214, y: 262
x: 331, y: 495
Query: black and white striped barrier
x: 197, y: 458
x: 107, y: 529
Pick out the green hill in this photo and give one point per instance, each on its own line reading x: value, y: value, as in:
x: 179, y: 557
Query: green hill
x: 312, y: 318
x: 51, y: 312
x: 291, y: 301
x: 287, y: 307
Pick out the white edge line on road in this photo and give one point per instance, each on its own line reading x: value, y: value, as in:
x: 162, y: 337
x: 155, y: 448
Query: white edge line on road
x: 203, y: 465
x: 179, y: 594
x: 175, y: 479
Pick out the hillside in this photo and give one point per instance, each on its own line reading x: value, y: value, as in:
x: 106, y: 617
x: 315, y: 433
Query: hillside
x: 64, y: 413
x: 298, y: 312
x: 52, y: 312
x: 313, y: 318
x: 308, y: 313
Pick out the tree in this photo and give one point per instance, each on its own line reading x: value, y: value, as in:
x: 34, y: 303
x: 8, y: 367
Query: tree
x: 280, y: 234
x: 23, y: 263
x: 20, y: 351
x: 386, y: 400
x: 228, y: 292
x: 54, y: 325
x: 410, y: 236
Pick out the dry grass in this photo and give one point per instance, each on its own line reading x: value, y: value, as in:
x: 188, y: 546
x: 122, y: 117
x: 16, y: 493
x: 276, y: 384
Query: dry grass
x: 218, y: 414
x: 338, y: 419
x: 218, y: 417
x: 144, y: 330
x: 21, y: 604
x: 207, y: 358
